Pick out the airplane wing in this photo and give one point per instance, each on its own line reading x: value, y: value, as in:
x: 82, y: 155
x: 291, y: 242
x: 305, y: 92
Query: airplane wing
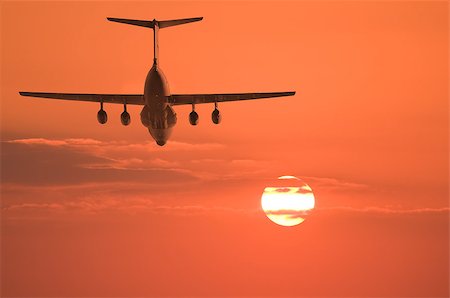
x: 185, y: 99
x: 174, y: 99
x: 131, y: 99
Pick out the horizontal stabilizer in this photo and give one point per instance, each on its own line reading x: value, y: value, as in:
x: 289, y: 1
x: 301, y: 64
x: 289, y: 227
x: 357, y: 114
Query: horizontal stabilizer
x: 148, y: 24
x: 170, y: 23
x: 151, y: 24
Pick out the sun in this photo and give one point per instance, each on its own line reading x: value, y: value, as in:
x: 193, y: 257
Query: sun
x: 288, y: 202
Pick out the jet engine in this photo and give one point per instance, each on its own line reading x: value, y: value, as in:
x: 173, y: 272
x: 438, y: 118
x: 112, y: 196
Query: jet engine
x: 193, y: 118
x: 216, y: 117
x: 125, y: 118
x: 102, y: 117
x: 145, y: 119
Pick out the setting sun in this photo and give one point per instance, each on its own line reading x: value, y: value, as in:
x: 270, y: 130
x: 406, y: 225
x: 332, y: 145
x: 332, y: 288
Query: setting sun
x: 288, y: 202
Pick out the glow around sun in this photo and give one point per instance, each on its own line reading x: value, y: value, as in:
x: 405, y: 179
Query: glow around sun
x: 288, y: 201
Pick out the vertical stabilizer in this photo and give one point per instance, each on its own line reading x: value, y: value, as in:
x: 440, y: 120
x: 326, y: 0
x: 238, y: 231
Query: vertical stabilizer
x: 155, y: 42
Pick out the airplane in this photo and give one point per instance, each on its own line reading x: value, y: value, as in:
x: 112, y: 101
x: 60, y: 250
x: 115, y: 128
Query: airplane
x: 157, y: 114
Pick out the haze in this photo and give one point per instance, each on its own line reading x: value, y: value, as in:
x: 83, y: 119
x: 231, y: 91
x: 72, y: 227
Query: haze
x: 92, y: 210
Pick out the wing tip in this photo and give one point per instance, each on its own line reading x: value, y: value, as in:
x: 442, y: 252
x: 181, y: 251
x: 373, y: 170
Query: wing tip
x: 287, y: 93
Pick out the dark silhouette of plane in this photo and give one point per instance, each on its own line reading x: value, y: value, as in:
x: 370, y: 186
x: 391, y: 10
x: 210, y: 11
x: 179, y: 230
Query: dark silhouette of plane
x: 157, y: 114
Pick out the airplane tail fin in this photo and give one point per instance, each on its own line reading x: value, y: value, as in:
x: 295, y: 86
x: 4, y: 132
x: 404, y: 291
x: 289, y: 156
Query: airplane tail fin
x: 151, y: 24
x: 155, y: 25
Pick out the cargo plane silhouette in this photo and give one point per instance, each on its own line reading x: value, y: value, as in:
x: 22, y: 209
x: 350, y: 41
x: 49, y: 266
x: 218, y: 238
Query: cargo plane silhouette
x: 157, y: 114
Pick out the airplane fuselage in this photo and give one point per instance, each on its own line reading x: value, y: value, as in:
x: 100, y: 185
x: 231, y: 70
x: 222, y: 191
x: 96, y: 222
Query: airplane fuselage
x: 157, y: 114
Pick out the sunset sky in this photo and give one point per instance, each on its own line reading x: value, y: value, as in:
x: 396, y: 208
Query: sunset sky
x: 90, y: 210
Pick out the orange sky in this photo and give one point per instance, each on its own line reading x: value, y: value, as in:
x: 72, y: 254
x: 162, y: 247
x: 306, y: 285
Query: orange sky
x: 91, y: 210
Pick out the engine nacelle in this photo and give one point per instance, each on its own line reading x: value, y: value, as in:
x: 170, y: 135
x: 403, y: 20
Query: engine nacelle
x: 125, y: 118
x: 216, y: 117
x: 145, y: 119
x: 193, y: 118
x: 102, y: 117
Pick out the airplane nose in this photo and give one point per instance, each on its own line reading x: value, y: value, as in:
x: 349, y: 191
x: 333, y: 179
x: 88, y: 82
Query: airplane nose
x: 160, y: 135
x: 161, y: 142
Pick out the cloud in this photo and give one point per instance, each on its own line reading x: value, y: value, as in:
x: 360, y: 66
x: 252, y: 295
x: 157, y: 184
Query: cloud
x: 135, y: 164
x: 302, y: 190
x: 333, y: 183
x: 59, y: 163
x: 115, y: 146
x: 48, y: 142
x: 136, y: 204
x: 84, y: 205
x: 375, y: 209
x: 283, y: 189
x: 59, y: 167
x: 95, y: 206
x: 289, y: 213
x: 95, y: 155
x: 117, y: 155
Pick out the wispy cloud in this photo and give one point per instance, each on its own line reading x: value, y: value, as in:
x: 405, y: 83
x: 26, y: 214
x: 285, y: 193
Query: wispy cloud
x: 333, y: 183
x: 71, y: 166
x: 145, y: 156
x: 128, y: 202
x: 50, y: 142
x: 386, y: 210
x: 119, y: 154
x: 83, y: 143
x: 114, y: 205
x: 133, y: 164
